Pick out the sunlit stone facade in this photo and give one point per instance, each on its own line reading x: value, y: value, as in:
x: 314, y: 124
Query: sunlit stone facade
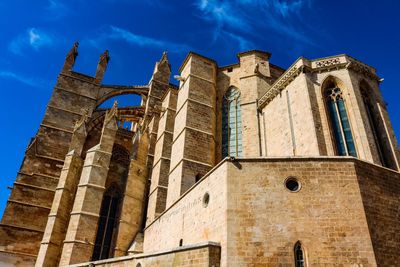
x: 241, y: 165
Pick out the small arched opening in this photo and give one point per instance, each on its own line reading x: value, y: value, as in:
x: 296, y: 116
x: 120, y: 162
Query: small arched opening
x: 299, y: 255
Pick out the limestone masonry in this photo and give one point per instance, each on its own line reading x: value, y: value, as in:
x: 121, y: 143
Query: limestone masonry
x: 242, y: 165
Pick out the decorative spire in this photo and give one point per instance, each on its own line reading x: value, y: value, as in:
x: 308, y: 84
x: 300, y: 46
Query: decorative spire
x: 111, y: 113
x: 164, y: 57
x: 102, y: 66
x: 71, y: 57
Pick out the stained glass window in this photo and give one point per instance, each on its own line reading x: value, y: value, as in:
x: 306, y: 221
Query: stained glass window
x: 340, y: 123
x: 231, y: 124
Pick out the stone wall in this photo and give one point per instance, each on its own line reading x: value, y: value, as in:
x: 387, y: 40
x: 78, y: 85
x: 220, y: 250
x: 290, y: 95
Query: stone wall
x: 190, y: 220
x: 199, y: 255
x: 380, y: 193
x: 326, y: 215
x: 257, y: 220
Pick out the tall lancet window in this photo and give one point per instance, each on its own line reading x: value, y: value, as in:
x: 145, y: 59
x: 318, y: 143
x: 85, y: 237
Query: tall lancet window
x: 377, y: 127
x: 106, y: 224
x: 340, y: 122
x: 299, y: 255
x: 231, y: 124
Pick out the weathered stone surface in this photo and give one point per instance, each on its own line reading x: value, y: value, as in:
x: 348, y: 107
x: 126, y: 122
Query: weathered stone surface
x: 177, y: 202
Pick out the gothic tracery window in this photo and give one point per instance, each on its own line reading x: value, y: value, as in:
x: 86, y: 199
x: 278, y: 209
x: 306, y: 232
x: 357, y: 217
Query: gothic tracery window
x: 299, y: 255
x: 341, y: 129
x: 231, y: 124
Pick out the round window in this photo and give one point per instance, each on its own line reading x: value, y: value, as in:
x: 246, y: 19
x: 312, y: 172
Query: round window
x: 292, y: 184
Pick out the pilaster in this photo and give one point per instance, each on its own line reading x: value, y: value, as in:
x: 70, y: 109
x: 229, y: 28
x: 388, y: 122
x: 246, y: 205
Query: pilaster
x: 254, y: 82
x: 162, y: 157
x: 81, y: 233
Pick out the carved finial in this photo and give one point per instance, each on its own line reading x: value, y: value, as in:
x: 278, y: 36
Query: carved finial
x: 71, y: 57
x: 82, y: 120
x: 111, y: 113
x: 164, y: 57
x: 101, y: 67
x: 104, y: 58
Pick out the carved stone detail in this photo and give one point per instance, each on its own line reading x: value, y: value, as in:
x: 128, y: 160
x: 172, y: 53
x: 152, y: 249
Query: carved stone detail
x: 327, y: 62
x: 279, y: 85
x: 111, y: 113
x: 82, y: 120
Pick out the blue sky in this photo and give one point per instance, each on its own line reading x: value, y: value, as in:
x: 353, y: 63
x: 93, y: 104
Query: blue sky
x: 36, y: 35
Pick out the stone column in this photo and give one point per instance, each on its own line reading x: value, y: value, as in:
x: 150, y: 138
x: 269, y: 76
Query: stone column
x: 193, y: 148
x: 162, y: 157
x: 57, y: 222
x: 133, y: 202
x: 82, y: 228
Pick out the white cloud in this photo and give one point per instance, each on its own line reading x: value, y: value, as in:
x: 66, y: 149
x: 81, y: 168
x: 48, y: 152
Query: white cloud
x: 32, y: 38
x: 33, y: 82
x: 247, y: 17
x: 116, y: 33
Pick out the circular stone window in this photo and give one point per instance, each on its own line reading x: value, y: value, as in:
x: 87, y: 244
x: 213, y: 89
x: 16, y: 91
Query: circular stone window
x: 206, y: 200
x: 292, y: 184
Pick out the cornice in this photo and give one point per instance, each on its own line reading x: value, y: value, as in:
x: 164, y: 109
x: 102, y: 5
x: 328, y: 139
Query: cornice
x: 315, y: 66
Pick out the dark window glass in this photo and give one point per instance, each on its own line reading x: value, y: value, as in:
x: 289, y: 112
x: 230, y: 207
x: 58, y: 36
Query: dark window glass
x: 106, y: 226
x: 299, y: 255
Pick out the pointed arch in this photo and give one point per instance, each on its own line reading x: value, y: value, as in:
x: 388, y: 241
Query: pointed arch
x: 231, y: 124
x: 299, y: 255
x: 332, y: 92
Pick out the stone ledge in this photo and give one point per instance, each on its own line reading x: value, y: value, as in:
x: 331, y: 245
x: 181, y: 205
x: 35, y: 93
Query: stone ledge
x: 148, y: 255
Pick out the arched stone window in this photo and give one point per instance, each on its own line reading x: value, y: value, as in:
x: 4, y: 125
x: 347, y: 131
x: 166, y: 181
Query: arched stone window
x: 339, y: 121
x: 106, y: 225
x: 231, y: 124
x: 299, y: 256
x: 377, y: 128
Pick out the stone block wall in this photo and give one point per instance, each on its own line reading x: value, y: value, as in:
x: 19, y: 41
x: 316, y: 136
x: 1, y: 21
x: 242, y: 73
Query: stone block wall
x: 32, y: 195
x: 265, y: 219
x: 193, y: 147
x: 380, y: 194
x: 341, y: 214
x: 199, y: 255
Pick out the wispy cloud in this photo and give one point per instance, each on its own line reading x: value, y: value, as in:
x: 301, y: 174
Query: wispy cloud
x: 244, y: 44
x: 31, y: 38
x: 56, y: 10
x: 116, y: 33
x: 33, y: 82
x: 247, y: 17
